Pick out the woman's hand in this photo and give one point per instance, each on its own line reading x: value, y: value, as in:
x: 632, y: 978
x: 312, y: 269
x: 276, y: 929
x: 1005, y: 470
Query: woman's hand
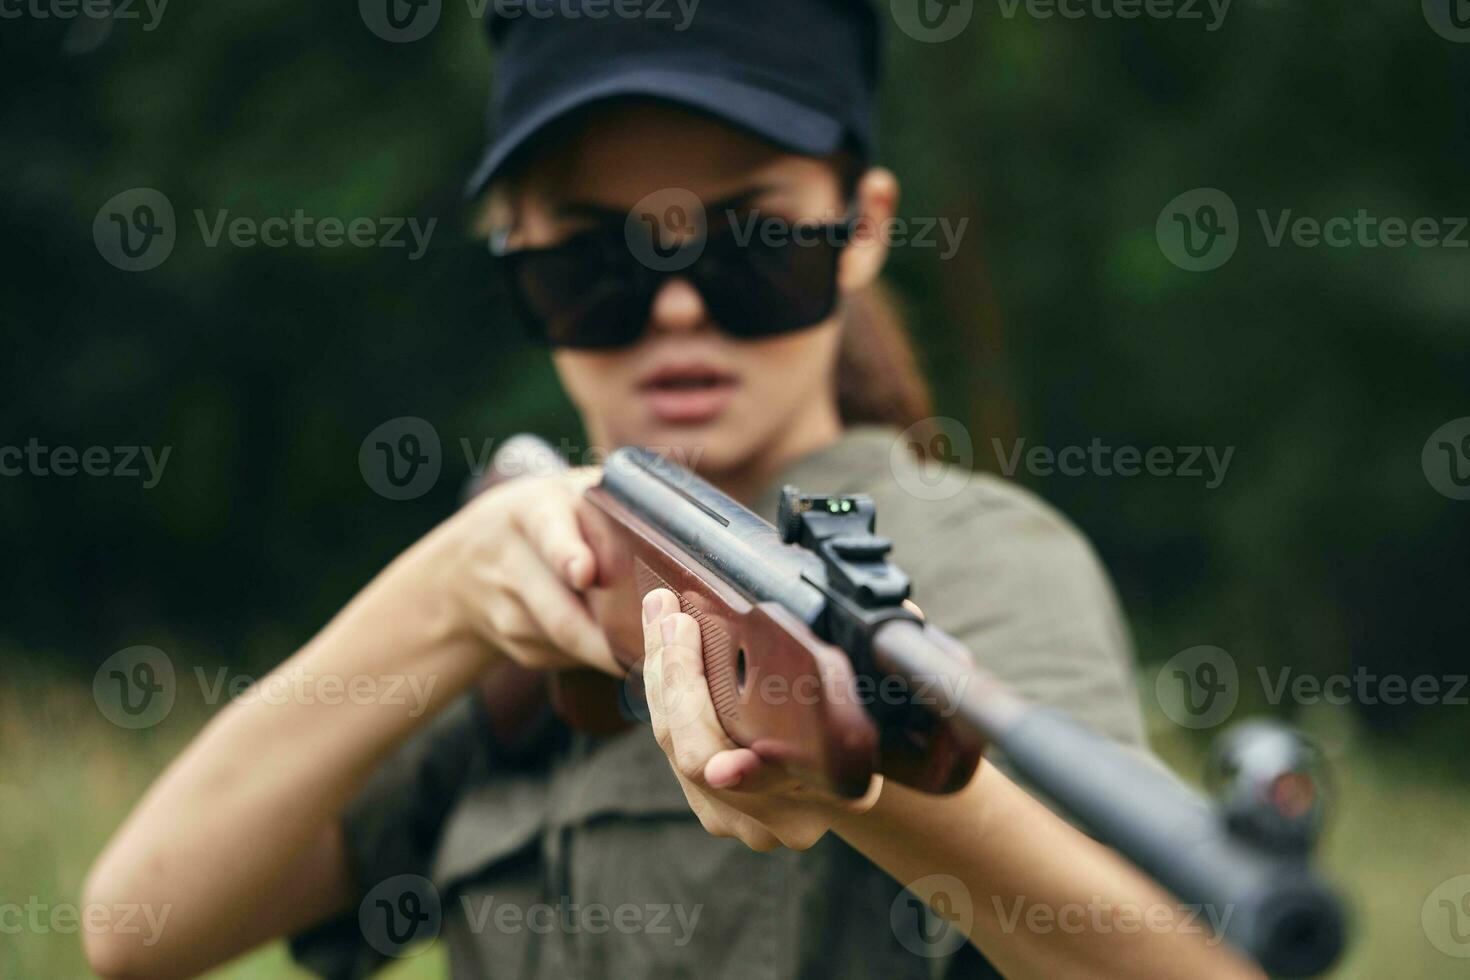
x: 733, y: 791
x: 514, y: 561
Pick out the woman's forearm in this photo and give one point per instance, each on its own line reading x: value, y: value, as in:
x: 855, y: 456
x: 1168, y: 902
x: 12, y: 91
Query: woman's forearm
x: 238, y: 839
x: 1044, y: 899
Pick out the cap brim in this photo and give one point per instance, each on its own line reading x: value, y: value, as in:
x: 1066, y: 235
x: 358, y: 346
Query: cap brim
x: 785, y: 122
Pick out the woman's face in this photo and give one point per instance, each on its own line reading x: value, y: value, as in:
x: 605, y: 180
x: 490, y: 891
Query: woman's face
x: 721, y: 405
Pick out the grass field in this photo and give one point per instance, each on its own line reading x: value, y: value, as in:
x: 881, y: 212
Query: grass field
x: 1401, y: 827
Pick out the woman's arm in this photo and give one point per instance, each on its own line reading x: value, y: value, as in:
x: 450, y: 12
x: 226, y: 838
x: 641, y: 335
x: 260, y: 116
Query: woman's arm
x: 240, y: 839
x: 1043, y: 899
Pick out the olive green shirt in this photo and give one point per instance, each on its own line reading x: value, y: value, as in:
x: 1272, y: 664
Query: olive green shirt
x: 587, y: 862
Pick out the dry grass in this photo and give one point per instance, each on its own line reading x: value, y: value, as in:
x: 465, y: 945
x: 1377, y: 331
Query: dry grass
x: 69, y: 776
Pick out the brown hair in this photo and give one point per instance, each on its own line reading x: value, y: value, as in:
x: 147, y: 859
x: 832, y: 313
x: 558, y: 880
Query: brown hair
x: 879, y: 381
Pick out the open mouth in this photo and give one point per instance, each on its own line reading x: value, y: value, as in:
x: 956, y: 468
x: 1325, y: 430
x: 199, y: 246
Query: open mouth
x: 688, y: 394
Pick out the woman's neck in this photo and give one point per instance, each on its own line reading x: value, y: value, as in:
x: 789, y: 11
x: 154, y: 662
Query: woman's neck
x: 746, y: 481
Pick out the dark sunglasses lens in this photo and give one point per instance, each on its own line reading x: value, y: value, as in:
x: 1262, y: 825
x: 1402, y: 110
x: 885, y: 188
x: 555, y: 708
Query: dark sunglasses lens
x: 571, y: 297
x: 764, y: 288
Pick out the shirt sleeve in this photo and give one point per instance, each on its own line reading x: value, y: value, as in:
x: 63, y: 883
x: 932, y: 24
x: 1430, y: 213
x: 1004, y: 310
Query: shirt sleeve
x: 393, y: 827
x: 1024, y: 590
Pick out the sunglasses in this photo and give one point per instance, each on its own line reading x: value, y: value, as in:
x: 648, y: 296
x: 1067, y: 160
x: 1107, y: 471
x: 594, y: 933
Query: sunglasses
x: 595, y: 291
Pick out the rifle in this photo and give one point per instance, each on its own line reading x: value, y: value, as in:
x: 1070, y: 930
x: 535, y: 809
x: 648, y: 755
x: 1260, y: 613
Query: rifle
x: 799, y: 619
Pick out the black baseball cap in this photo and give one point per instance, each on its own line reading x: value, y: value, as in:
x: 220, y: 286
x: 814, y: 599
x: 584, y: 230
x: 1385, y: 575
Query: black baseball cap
x: 801, y: 74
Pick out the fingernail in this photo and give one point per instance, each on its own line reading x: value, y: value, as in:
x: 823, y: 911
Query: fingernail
x: 651, y: 606
x: 667, y: 629
x: 724, y: 781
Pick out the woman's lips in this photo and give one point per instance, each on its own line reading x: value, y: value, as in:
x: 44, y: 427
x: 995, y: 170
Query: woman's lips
x: 690, y: 395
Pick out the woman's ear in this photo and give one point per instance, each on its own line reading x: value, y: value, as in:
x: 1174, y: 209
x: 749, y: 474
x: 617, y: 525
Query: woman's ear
x: 877, y: 203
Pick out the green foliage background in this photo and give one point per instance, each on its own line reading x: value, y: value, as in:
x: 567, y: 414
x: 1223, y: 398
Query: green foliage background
x: 1060, y: 320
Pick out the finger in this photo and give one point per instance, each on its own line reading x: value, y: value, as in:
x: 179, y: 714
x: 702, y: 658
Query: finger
x: 682, y: 698
x: 554, y: 533
x: 656, y: 605
x: 563, y: 620
x: 745, y: 771
x: 731, y: 768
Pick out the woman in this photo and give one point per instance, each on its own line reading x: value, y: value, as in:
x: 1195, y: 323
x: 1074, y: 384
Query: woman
x: 358, y: 828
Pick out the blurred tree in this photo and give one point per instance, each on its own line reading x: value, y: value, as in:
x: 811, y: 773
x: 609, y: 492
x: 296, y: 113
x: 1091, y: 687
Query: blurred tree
x: 1058, y: 321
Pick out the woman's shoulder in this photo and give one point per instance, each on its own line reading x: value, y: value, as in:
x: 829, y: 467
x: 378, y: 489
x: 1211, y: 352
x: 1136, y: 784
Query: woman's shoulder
x: 931, y: 507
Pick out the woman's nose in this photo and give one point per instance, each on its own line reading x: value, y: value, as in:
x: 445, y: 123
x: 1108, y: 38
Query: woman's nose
x: 677, y: 307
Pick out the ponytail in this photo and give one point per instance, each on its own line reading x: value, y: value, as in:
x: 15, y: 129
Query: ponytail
x: 878, y: 377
